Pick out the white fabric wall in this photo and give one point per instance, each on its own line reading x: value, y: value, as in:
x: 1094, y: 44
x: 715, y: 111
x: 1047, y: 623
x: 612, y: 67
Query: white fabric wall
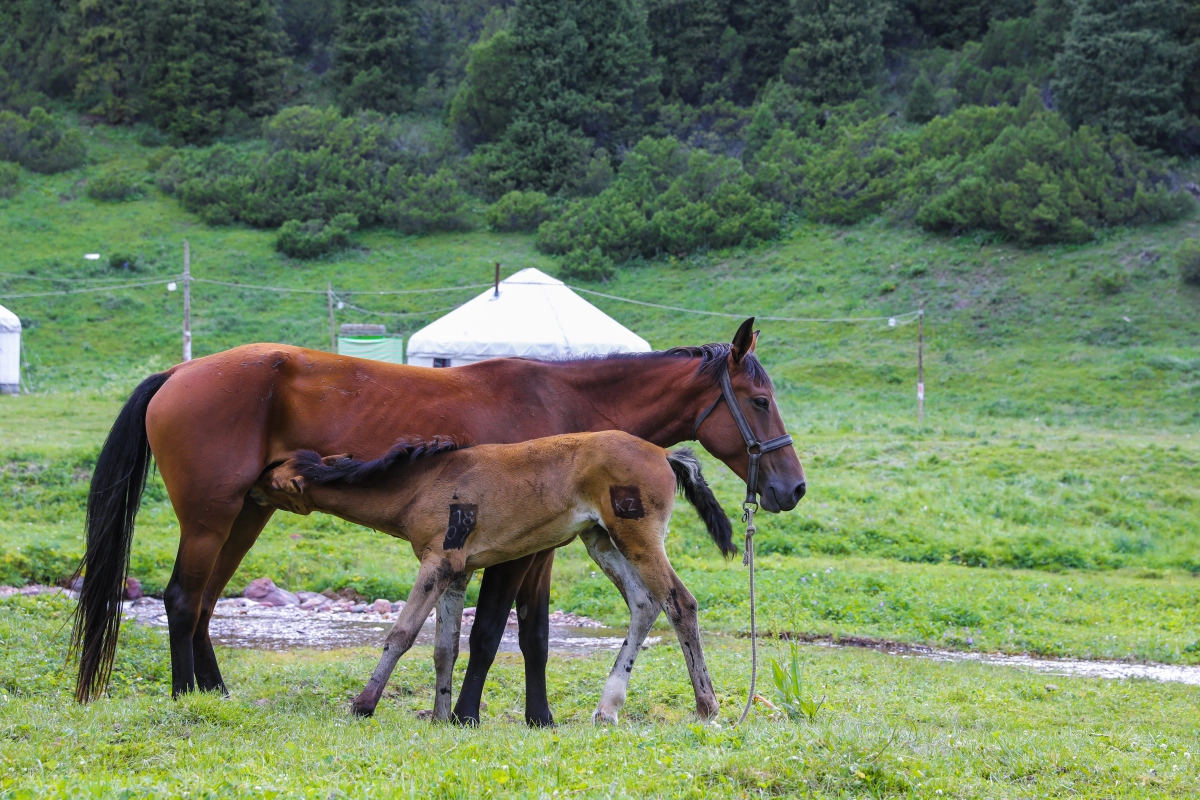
x: 10, y: 352
x: 378, y: 348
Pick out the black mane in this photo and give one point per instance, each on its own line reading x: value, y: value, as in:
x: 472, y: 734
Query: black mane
x: 713, y: 358
x: 352, y: 470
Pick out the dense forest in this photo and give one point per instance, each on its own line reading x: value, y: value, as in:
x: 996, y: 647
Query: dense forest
x: 619, y: 129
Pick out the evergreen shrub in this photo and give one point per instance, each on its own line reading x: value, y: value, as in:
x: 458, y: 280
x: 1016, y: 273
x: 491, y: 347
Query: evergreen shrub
x: 40, y: 144
x: 1187, y: 258
x: 115, y: 186
x: 315, y: 238
x: 665, y: 199
x: 518, y: 211
x: 10, y: 180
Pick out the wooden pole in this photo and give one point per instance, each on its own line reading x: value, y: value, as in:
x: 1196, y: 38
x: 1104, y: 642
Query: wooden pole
x: 921, y: 362
x: 497, y: 293
x: 187, y: 301
x: 332, y: 324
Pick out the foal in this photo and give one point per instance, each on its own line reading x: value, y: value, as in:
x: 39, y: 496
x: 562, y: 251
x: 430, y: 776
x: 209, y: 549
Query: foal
x: 611, y: 489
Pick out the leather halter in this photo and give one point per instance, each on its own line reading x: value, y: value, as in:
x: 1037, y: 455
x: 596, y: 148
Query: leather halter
x: 754, y: 448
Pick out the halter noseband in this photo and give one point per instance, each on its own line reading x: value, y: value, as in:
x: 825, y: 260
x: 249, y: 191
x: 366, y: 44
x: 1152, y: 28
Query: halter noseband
x: 743, y: 425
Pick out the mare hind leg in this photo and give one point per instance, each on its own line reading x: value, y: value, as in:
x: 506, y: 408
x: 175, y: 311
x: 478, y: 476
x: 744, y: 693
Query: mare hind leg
x: 445, y: 644
x: 242, y: 536
x: 533, y: 621
x: 496, y: 594
x: 643, y: 611
x: 202, y: 535
x: 432, y: 579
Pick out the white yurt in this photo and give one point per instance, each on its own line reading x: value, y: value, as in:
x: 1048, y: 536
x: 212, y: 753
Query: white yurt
x: 531, y: 315
x: 10, y: 352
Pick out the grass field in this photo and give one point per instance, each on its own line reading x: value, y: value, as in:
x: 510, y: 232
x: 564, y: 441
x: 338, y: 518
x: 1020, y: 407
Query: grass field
x: 1047, y: 504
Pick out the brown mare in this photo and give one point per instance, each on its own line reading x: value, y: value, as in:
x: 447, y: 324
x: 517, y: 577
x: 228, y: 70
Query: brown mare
x: 215, y: 424
x: 465, y: 509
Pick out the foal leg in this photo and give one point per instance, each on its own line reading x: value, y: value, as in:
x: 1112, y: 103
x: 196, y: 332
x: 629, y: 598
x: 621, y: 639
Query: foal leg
x: 496, y: 594
x: 681, y: 608
x: 643, y: 611
x: 533, y: 621
x: 432, y: 579
x: 445, y: 643
x: 242, y: 536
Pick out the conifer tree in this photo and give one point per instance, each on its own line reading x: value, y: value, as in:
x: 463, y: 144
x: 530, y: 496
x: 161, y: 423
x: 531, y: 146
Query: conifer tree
x: 376, y: 58
x: 839, y: 51
x: 210, y: 57
x: 111, y: 55
x: 921, y: 105
x: 1122, y: 69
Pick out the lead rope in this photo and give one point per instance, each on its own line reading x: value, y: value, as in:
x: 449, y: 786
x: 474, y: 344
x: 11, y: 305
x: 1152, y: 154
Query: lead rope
x: 748, y: 560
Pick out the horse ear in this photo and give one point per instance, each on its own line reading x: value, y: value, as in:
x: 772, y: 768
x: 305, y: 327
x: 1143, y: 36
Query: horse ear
x: 754, y: 341
x: 743, y: 340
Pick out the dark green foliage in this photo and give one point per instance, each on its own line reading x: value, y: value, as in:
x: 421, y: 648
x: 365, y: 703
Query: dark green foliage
x: 115, y: 185
x: 1122, y: 70
x: 315, y: 238
x: 127, y: 262
x: 310, y: 25
x: 839, y: 51
x: 211, y: 57
x: 425, y: 203
x: 1018, y: 171
x: 921, y: 105
x: 10, y: 180
x: 1013, y: 55
x: 320, y: 164
x: 375, y: 62
x: 35, y: 52
x: 578, y: 78
x: 1187, y: 258
x: 482, y: 107
x: 1042, y: 183
x: 38, y: 143
x: 950, y: 23
x: 518, y: 211
x: 665, y: 199
x: 110, y: 51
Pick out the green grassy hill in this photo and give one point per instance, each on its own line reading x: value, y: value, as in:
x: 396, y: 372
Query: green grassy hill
x: 1061, y: 429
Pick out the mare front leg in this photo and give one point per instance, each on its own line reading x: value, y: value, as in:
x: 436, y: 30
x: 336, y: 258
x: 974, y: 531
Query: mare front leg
x: 435, y: 575
x: 445, y: 644
x: 643, y: 611
x: 533, y: 632
x: 499, y: 588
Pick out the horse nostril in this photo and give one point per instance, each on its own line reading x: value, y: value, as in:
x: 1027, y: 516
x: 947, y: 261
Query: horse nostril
x: 801, y: 488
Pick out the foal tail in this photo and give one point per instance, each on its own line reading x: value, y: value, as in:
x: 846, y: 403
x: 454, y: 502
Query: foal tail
x: 113, y: 501
x: 690, y: 481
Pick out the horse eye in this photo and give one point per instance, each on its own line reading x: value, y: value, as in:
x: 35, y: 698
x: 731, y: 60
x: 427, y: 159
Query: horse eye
x: 761, y: 402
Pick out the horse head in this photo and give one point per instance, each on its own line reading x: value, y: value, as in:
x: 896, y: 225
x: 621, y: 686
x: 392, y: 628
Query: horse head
x: 750, y: 429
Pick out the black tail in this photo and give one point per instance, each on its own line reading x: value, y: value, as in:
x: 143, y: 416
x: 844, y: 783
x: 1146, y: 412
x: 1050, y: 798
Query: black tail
x: 690, y: 481
x: 113, y: 502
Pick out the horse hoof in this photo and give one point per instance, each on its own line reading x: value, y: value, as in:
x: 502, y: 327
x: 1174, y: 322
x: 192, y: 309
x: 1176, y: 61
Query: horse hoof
x: 465, y: 721
x: 362, y: 710
x: 538, y: 722
x: 604, y: 717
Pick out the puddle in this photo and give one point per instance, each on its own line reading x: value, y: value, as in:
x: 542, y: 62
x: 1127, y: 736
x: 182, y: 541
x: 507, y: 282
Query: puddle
x: 1111, y: 670
x: 245, y: 624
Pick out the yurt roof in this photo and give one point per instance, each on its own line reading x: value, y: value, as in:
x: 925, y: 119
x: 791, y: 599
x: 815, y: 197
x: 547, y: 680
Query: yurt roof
x: 535, y: 316
x: 9, y: 322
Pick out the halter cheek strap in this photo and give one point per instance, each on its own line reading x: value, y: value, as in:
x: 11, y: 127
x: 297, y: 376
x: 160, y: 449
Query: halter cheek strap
x: 754, y: 448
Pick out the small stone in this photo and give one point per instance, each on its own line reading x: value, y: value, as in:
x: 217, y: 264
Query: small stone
x: 133, y: 589
x: 398, y: 606
x: 1051, y: 687
x: 75, y: 584
x: 267, y: 593
x: 381, y: 606
x: 359, y: 608
x: 304, y: 597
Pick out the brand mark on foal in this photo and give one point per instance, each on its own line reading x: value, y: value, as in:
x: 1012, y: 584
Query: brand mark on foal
x: 627, y: 502
x: 462, y: 522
